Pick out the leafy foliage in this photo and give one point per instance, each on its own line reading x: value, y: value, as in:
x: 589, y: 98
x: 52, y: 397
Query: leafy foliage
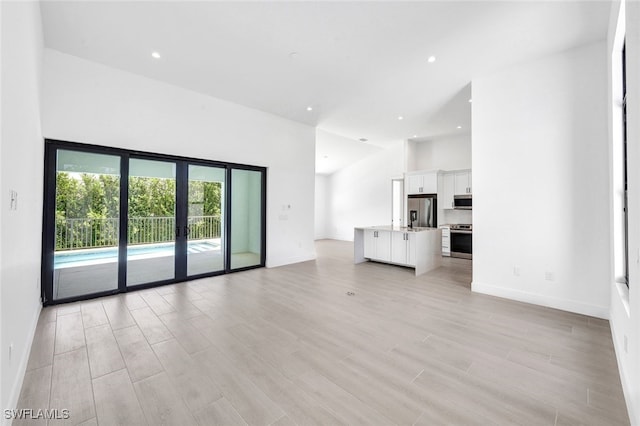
x: 87, y: 209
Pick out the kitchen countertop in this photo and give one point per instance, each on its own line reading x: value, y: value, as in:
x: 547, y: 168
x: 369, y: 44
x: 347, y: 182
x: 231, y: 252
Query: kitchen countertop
x: 397, y: 228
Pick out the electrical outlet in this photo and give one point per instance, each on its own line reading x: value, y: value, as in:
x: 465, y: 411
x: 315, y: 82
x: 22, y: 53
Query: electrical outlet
x: 625, y: 344
x: 516, y: 271
x: 10, y: 351
x: 548, y: 276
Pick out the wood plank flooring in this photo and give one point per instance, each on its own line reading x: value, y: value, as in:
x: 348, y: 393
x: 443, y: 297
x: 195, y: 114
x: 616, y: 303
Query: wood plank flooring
x: 288, y: 346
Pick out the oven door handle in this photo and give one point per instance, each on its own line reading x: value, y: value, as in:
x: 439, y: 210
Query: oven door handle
x: 461, y: 232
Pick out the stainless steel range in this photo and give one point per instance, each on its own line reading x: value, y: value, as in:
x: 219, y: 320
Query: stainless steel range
x: 461, y: 240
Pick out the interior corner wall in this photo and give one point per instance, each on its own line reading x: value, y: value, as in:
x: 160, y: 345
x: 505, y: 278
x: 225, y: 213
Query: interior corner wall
x: 2, y: 207
x: 87, y: 102
x: 451, y: 152
x: 625, y: 314
x: 541, y: 182
x: 360, y: 194
x: 410, y: 152
x: 321, y: 207
x: 21, y: 160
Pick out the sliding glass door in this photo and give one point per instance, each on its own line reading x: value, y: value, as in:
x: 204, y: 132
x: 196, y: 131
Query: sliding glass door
x: 246, y: 220
x: 206, y: 212
x: 151, y: 221
x: 85, y: 233
x: 116, y: 220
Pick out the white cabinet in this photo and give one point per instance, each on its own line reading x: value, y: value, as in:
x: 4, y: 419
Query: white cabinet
x: 448, y: 189
x: 420, y: 250
x: 369, y: 243
x: 403, y: 248
x: 414, y: 184
x: 377, y: 245
x: 411, y: 249
x: 462, y: 182
x: 446, y: 241
x: 454, y: 183
x: 422, y: 183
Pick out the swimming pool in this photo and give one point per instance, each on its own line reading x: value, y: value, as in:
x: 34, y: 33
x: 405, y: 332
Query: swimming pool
x: 73, y: 258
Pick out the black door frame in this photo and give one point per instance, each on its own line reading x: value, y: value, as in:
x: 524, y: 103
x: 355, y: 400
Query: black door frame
x: 182, y: 183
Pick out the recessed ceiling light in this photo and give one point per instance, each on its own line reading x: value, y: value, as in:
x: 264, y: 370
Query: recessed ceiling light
x: 459, y: 127
x: 431, y: 59
x: 363, y: 139
x: 470, y: 100
x: 400, y: 117
x: 155, y: 55
x: 309, y: 108
x: 415, y: 136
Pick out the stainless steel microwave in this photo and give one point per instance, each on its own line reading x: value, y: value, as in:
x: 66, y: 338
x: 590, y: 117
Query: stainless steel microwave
x: 462, y: 202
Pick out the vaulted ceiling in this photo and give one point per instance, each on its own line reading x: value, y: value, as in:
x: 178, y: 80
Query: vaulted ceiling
x: 350, y: 68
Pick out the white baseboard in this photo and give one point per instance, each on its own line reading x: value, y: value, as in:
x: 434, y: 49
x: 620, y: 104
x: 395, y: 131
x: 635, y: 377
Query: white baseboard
x: 22, y: 367
x: 542, y: 300
x: 290, y: 260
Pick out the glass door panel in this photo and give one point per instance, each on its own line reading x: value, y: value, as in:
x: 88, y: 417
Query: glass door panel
x: 151, y: 221
x: 205, y: 221
x: 246, y: 218
x: 87, y: 211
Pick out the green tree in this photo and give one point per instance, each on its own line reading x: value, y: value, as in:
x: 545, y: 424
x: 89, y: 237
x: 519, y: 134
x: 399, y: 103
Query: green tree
x: 93, y: 201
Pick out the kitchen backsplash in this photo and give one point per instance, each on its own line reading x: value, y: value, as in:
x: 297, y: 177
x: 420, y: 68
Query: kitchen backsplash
x: 456, y: 216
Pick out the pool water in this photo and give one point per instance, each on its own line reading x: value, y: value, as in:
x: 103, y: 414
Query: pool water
x: 85, y: 257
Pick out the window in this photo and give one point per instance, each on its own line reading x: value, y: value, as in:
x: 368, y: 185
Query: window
x: 624, y: 164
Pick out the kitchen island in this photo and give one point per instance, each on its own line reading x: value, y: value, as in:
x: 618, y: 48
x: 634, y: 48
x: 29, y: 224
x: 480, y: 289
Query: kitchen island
x: 418, y: 248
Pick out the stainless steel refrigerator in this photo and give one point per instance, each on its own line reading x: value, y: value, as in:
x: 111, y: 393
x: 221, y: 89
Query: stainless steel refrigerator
x: 423, y: 210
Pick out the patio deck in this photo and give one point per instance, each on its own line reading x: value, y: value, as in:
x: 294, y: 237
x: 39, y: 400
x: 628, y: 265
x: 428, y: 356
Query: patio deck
x: 100, y: 275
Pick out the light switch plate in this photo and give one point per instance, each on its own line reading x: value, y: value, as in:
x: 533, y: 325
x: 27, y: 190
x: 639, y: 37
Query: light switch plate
x: 13, y: 197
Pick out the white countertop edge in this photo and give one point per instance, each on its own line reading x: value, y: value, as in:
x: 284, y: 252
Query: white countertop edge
x: 396, y: 228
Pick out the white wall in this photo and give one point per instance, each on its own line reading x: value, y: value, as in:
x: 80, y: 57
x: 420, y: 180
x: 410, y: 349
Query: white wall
x: 541, y: 182
x: 451, y: 152
x: 321, y: 207
x: 361, y: 192
x: 91, y: 103
x: 21, y: 159
x: 625, y: 303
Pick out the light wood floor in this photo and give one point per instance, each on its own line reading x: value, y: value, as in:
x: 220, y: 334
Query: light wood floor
x: 289, y: 346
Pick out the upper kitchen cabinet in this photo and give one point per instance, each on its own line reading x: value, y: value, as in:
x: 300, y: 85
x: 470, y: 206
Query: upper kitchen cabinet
x: 448, y: 190
x: 454, y: 183
x: 421, y: 183
x: 462, y: 183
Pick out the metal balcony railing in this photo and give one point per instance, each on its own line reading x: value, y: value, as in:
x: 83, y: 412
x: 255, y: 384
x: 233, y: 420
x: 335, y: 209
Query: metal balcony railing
x: 75, y: 234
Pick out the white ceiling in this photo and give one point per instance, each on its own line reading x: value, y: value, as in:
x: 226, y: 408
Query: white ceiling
x: 333, y: 152
x: 359, y: 65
